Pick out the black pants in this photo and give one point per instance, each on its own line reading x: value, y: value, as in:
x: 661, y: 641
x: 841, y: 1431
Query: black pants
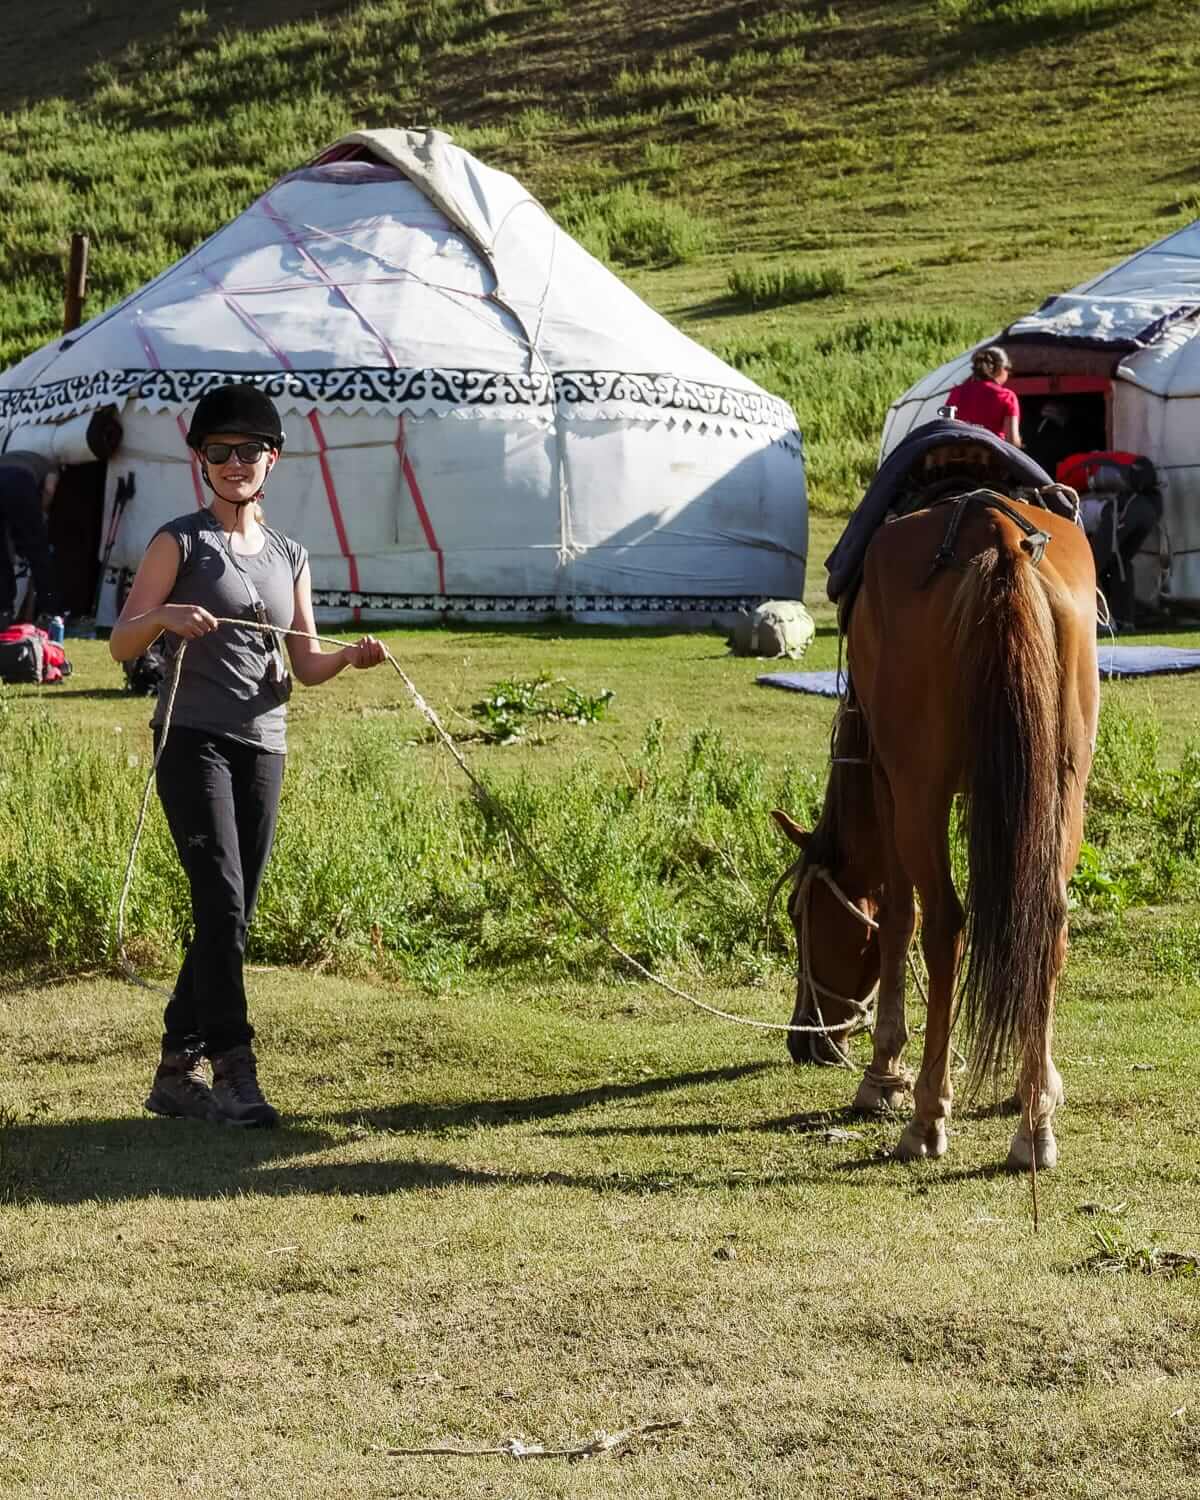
x: 221, y: 800
x: 22, y: 518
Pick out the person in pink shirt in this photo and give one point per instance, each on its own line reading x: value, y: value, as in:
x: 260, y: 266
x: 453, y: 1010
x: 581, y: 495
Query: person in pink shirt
x: 984, y: 399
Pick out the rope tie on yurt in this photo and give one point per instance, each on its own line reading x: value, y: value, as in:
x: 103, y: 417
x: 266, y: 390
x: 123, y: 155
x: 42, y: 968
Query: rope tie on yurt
x: 861, y: 1008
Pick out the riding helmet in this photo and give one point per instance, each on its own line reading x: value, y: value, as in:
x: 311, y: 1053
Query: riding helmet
x: 235, y: 408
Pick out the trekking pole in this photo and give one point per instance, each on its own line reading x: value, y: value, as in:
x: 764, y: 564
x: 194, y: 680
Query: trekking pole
x: 121, y: 498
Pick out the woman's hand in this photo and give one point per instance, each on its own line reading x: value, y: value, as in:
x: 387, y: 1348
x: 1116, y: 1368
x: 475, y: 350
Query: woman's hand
x: 365, y: 653
x: 186, y: 620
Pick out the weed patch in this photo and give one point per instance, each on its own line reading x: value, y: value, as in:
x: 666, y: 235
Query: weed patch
x: 772, y: 286
x: 629, y: 226
x: 1115, y: 1253
x: 517, y: 709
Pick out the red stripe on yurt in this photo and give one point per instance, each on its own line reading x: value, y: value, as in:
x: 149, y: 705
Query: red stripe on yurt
x: 334, y: 509
x: 1059, y: 385
x: 419, y: 506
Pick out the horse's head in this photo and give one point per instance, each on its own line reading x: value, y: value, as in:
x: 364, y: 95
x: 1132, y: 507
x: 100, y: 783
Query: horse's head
x: 837, y: 951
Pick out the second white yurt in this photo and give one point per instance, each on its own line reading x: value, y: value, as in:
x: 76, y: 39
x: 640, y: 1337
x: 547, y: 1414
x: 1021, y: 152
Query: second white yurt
x: 480, y: 417
x: 1116, y: 363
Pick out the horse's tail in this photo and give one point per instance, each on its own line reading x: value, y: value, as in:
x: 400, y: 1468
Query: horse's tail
x: 1016, y: 901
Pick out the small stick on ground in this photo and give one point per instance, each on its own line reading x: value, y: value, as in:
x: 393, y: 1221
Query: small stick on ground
x: 602, y: 1443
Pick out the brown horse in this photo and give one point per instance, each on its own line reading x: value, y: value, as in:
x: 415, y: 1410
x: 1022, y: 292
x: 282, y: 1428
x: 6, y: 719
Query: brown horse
x: 973, y: 670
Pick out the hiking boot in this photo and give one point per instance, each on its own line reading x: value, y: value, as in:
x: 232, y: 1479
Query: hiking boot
x: 181, y: 1090
x: 236, y: 1091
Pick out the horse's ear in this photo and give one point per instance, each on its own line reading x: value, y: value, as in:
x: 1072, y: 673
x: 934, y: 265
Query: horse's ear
x: 799, y: 836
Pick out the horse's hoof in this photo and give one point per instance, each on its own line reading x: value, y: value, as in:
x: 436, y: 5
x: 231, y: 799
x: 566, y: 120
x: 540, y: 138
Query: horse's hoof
x: 920, y: 1142
x: 880, y: 1099
x: 1021, y: 1154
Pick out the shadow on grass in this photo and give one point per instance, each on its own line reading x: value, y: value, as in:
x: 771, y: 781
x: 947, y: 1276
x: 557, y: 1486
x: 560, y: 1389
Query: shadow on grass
x: 98, y: 692
x: 121, y: 1161
x: 115, y: 1160
x: 421, y: 1118
x: 982, y: 36
x: 817, y: 1122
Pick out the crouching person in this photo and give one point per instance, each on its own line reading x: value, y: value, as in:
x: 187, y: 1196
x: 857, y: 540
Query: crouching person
x: 221, y: 770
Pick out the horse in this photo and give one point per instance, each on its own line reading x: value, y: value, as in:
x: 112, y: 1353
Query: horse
x: 971, y: 655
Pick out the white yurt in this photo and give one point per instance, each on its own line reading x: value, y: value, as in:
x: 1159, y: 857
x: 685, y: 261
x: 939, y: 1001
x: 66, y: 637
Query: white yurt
x: 1119, y: 355
x: 480, y: 417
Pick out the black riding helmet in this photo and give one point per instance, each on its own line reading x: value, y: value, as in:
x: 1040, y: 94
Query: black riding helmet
x: 235, y: 408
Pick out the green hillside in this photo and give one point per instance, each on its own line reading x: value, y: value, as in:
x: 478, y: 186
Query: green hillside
x: 831, y: 196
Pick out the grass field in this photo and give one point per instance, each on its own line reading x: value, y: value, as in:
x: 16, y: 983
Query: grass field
x: 517, y: 1194
x: 541, y: 1211
x: 529, y: 1200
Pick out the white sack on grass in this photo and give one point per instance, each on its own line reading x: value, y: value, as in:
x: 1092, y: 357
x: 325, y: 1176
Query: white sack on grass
x: 778, y: 627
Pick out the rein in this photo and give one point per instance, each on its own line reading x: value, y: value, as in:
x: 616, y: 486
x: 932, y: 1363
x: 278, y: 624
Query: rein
x: 489, y: 798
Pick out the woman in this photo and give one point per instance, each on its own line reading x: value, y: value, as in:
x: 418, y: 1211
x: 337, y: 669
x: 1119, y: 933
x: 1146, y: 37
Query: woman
x: 221, y: 769
x: 983, y: 398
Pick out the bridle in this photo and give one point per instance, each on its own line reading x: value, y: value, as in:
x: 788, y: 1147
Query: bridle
x: 812, y: 987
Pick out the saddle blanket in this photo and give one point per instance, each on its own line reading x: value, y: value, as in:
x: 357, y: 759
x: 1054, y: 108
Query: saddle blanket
x: 1115, y: 661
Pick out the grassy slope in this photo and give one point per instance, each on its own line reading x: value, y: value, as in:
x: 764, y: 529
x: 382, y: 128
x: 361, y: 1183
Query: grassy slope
x: 958, y: 160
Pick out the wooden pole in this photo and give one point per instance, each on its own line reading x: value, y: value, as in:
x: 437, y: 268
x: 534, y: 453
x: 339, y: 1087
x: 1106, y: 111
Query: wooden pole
x: 76, y: 283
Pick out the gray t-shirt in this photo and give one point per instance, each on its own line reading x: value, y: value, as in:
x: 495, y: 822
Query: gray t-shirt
x: 225, y: 687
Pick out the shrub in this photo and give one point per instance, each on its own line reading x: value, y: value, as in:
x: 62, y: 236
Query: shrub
x: 628, y: 226
x: 771, y: 286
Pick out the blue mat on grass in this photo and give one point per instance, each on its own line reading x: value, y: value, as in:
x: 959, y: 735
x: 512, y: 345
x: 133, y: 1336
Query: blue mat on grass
x: 824, y: 683
x: 1115, y: 661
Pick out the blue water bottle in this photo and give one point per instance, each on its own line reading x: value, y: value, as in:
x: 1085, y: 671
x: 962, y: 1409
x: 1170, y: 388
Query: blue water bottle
x: 55, y: 629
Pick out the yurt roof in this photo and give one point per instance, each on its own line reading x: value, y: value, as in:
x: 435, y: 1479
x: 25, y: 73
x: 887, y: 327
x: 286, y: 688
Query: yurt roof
x: 394, y: 273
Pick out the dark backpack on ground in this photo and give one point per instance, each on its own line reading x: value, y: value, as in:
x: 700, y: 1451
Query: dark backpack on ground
x: 27, y: 654
x: 146, y: 673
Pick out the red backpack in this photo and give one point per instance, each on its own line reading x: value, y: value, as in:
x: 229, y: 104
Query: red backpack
x: 27, y: 654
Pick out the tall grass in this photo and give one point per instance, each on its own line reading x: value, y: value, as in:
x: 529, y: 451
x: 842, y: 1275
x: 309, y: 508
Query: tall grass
x: 1143, y: 820
x: 1021, y: 12
x: 629, y: 226
x: 374, y: 868
x: 773, y: 286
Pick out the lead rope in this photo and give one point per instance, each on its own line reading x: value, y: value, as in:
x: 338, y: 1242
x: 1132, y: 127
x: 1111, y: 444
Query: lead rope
x: 860, y: 1007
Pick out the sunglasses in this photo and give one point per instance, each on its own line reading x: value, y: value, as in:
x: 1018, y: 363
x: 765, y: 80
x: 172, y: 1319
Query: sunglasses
x: 221, y: 453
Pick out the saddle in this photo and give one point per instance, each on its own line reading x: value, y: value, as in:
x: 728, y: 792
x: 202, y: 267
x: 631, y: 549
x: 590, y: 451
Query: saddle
x: 944, y: 463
